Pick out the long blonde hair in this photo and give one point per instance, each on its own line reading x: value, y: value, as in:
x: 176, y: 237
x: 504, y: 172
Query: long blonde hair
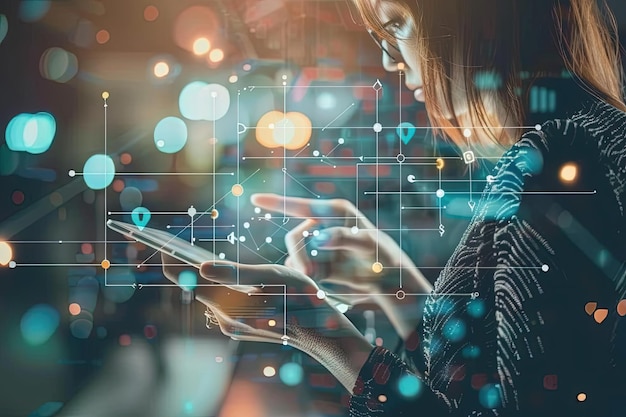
x: 510, y: 42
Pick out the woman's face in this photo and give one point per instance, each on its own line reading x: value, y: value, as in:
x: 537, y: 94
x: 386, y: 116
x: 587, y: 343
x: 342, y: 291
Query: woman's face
x: 404, y: 51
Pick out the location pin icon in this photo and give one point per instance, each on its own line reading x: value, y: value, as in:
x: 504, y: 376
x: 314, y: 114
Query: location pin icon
x: 405, y: 131
x: 141, y: 217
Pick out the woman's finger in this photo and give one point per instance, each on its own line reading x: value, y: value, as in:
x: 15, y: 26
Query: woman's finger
x: 296, y: 241
x: 344, y: 238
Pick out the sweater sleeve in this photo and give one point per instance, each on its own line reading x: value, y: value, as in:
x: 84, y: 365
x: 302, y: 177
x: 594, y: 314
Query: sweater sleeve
x: 530, y: 282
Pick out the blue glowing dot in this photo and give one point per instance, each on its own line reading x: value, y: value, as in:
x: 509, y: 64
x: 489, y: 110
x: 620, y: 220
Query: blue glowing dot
x: 471, y: 352
x: 31, y: 133
x: 58, y: 65
x: 201, y: 101
x: 291, y: 374
x: 4, y: 27
x: 489, y: 396
x: 39, y: 323
x: 409, y: 385
x: 170, y: 135
x: 188, y: 407
x: 187, y: 280
x: 476, y: 308
x: 33, y: 10
x: 454, y: 330
x: 99, y: 171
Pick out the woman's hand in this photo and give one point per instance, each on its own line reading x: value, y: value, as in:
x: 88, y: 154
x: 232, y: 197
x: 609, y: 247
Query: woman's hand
x: 357, y: 259
x: 276, y: 304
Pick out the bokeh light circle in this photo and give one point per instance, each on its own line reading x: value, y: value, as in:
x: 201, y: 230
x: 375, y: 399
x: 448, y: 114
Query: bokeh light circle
x: 216, y: 55
x: 202, y: 101
x: 33, y: 10
x: 130, y: 197
x: 291, y: 374
x: 170, y: 135
x: 6, y: 253
x: 81, y: 328
x: 409, y: 386
x: 38, y: 324
x: 193, y: 23
x: 98, y: 171
x: 151, y: 13
x: 57, y: 64
x: 4, y: 27
x: 32, y: 133
x: 187, y: 280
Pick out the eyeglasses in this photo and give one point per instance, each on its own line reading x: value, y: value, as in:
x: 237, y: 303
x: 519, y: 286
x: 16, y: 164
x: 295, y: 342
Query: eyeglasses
x: 379, y: 41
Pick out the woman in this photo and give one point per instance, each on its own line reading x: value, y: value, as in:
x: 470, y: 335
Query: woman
x: 543, y: 256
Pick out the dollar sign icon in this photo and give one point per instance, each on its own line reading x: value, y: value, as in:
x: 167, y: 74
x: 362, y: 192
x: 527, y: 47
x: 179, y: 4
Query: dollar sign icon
x: 442, y: 230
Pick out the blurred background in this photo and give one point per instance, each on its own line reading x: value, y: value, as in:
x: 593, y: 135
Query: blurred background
x: 189, y: 107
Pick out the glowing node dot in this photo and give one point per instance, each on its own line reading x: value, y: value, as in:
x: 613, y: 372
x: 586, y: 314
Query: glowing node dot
x: 201, y: 46
x: 257, y: 210
x: 537, y: 127
x: 191, y: 211
x: 467, y: 133
x: 267, y: 216
x: 160, y: 143
x: 105, y: 95
x: 215, y: 214
x: 6, y: 253
x: 400, y: 158
x: 284, y: 343
x: 341, y: 141
x: 269, y: 371
x: 581, y: 397
x: 246, y: 225
x: 284, y: 77
x: 161, y: 69
x: 314, y: 252
x: 271, y: 323
x: 12, y: 264
x: 354, y: 230
x: 103, y: 36
x: 316, y: 153
x: 400, y: 66
x: 568, y: 172
x: 247, y: 67
x: 400, y: 295
x: 219, y: 359
x: 233, y: 79
x: 320, y: 294
x: 316, y: 233
x: 440, y: 193
x: 237, y: 190
x: 74, y: 309
x: 377, y: 267
x: 71, y: 173
x: 440, y: 163
x: 221, y: 255
x: 242, y: 238
x: 382, y: 398
x: 268, y: 239
x: 545, y: 268
x: 377, y: 127
x: 305, y: 233
x: 105, y: 264
x: 284, y: 82
x: 214, y: 94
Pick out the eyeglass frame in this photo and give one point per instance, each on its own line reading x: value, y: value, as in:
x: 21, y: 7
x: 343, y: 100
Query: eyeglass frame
x: 379, y: 43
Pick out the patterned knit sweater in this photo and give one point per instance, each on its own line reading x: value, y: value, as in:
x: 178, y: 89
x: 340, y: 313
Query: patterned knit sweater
x: 544, y: 335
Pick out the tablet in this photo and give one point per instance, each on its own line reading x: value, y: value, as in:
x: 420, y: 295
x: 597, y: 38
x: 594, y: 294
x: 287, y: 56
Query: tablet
x: 165, y: 242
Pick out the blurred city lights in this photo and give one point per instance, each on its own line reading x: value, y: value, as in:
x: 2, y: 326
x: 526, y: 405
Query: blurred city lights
x: 201, y: 101
x: 32, y: 133
x: 4, y: 27
x: 216, y: 55
x: 170, y: 135
x: 6, y: 253
x: 150, y: 13
x: 57, y: 64
x: 292, y: 130
x: 33, y: 10
x: 269, y: 371
x: 39, y: 323
x: 201, y: 46
x: 161, y: 69
x: 103, y: 36
x: 291, y: 374
x: 98, y: 171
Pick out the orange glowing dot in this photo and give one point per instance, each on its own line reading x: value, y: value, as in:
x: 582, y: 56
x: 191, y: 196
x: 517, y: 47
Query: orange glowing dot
x: 233, y: 79
x: 581, y: 397
x: 621, y: 308
x: 215, y: 214
x: 103, y: 36
x: 216, y: 55
x: 382, y: 398
x: 271, y: 323
x: 126, y: 158
x: 377, y: 267
x: 125, y: 340
x: 600, y: 314
x: 118, y: 186
x: 150, y: 13
x: 237, y: 190
x: 440, y: 163
x: 201, y: 46
x: 161, y: 69
x: 105, y: 264
x: 105, y: 95
x: 74, y: 309
x: 569, y: 172
x: 6, y: 253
